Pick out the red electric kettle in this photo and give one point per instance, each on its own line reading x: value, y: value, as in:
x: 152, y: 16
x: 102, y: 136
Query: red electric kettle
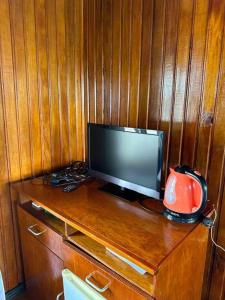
x: 185, y: 195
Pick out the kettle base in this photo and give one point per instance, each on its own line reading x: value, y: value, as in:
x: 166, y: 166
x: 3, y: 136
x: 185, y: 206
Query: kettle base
x: 172, y: 216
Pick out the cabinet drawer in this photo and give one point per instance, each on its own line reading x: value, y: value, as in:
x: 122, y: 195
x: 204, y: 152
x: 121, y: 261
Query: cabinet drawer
x: 40, y: 231
x: 109, y: 284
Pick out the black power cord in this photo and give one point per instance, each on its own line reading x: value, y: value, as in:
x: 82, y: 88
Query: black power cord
x: 74, y: 174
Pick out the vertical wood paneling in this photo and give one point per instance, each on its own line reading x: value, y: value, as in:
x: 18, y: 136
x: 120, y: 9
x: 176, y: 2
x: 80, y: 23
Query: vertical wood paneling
x: 135, y: 59
x: 70, y: 80
x: 161, y: 66
x: 9, y: 103
x: 86, y: 106
x: 145, y: 67
x: 53, y: 82
x: 116, y: 60
x: 216, y: 171
x: 181, y: 84
x: 212, y: 60
x: 107, y: 58
x: 169, y: 79
x: 41, y: 42
x: 62, y: 82
x: 41, y: 102
x: 5, y: 208
x: 20, y: 83
x: 7, y: 256
x: 157, y: 56
x: 78, y: 80
x: 99, y: 61
x: 10, y: 153
x: 125, y: 61
x: 196, y: 71
x: 91, y: 60
x: 32, y: 85
x: 152, y: 64
x: 164, y: 75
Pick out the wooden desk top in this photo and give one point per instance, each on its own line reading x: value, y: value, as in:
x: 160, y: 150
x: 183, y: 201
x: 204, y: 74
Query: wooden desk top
x: 146, y: 238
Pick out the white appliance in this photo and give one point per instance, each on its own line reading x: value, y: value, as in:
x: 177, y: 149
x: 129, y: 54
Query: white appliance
x: 2, y: 291
x: 76, y: 289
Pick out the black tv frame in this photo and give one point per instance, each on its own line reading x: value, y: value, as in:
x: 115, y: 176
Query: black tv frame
x: 123, y: 184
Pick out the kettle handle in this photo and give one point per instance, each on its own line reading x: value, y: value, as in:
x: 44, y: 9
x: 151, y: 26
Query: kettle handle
x: 201, y: 181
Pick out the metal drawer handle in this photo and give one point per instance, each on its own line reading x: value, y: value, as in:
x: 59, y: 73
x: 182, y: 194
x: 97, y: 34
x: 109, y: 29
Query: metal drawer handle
x: 30, y: 229
x: 100, y: 290
x: 59, y: 296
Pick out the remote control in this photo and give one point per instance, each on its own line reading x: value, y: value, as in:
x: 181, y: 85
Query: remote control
x: 69, y: 188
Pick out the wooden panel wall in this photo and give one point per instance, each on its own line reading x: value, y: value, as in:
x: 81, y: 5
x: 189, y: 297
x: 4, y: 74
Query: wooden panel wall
x: 148, y: 63
x: 41, y: 63
x: 160, y: 65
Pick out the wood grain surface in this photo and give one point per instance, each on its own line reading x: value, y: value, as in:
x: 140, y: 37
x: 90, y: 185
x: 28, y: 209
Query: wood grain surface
x: 95, y: 220
x: 118, y: 287
x: 41, y: 101
x: 147, y: 238
x: 155, y: 64
x: 42, y: 267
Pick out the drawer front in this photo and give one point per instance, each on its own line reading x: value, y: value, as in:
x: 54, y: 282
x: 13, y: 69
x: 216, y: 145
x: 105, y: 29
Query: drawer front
x: 110, y: 285
x: 40, y: 231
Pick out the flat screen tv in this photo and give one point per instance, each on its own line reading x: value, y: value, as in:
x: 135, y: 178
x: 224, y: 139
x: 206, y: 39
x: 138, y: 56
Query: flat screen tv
x: 130, y: 159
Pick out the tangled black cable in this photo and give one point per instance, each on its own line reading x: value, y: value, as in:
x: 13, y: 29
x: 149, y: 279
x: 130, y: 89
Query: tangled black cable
x: 74, y: 173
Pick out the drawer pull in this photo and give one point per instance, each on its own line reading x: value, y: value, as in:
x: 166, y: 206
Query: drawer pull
x: 100, y: 290
x: 37, y: 233
x: 59, y: 296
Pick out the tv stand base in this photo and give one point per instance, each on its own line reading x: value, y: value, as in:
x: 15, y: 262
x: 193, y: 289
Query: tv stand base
x: 122, y: 192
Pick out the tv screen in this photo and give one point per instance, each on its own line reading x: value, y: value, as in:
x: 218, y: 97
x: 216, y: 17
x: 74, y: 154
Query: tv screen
x: 128, y: 157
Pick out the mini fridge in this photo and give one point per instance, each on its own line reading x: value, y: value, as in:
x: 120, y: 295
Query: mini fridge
x: 2, y: 291
x: 77, y: 289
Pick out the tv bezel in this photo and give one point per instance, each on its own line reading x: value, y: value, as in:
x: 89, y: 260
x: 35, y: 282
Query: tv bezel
x: 121, y: 182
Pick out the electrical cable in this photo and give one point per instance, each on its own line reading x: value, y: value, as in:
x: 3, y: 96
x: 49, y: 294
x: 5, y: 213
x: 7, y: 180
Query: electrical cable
x: 145, y: 207
x: 74, y: 173
x: 211, y: 232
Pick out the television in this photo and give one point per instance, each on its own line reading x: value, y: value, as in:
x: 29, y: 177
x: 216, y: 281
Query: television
x: 128, y: 159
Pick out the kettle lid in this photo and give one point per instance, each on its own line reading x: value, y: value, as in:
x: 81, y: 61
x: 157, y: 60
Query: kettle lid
x: 182, y: 169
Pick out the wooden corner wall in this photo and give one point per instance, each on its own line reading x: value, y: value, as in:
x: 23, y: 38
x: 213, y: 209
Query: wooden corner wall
x: 147, y: 63
x: 41, y: 102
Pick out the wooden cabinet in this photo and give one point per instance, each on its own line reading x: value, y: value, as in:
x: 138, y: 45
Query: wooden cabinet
x: 99, y: 276
x: 38, y: 229
x: 42, y: 267
x: 74, y: 231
